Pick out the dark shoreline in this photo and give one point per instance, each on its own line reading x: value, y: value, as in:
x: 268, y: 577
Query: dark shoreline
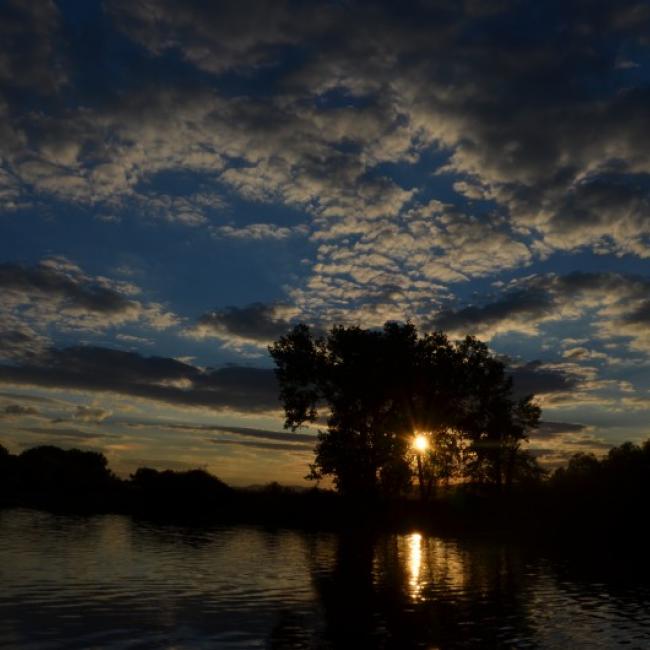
x: 590, y: 503
x: 525, y: 518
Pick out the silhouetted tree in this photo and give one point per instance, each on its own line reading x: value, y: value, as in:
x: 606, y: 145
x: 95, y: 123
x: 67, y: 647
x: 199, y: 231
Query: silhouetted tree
x: 609, y: 493
x: 379, y: 387
x: 628, y: 467
x: 178, y: 492
x: 354, y: 372
x: 443, y: 461
x: 623, y: 474
x: 7, y: 472
x: 193, y: 480
x: 47, y: 468
x: 583, y: 471
x: 493, y: 422
x: 527, y: 470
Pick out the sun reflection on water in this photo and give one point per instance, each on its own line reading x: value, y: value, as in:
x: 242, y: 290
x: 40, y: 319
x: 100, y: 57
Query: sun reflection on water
x: 415, y: 564
x: 432, y: 564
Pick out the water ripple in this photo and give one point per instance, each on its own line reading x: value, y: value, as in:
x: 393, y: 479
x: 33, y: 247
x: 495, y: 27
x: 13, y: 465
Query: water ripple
x: 111, y: 582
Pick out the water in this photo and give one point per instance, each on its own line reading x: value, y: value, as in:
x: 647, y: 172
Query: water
x: 111, y: 582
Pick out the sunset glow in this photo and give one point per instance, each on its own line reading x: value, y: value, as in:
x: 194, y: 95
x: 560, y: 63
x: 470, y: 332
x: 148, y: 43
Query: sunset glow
x: 420, y: 443
x: 284, y: 282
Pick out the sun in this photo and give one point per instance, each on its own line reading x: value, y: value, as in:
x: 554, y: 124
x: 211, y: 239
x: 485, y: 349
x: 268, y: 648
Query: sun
x: 420, y: 443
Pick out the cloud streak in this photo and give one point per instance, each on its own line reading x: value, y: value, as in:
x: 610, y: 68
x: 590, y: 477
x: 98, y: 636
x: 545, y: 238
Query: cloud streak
x: 96, y: 369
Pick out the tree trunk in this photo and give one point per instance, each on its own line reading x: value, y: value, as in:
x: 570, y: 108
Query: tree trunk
x: 423, y: 490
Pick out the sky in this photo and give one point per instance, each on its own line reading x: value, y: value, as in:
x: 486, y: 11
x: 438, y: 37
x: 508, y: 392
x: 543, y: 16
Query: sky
x: 182, y: 182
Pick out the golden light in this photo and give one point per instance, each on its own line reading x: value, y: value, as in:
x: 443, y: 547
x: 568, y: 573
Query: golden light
x: 420, y: 443
x: 414, y: 560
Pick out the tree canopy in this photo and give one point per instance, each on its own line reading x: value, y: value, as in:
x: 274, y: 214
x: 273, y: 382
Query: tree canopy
x: 375, y: 388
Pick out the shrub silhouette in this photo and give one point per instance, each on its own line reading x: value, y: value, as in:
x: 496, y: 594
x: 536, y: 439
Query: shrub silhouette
x: 178, y: 491
x: 47, y: 468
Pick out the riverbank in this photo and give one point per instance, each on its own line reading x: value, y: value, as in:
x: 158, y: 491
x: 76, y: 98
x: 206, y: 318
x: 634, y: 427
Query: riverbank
x: 590, y: 500
x: 538, y: 515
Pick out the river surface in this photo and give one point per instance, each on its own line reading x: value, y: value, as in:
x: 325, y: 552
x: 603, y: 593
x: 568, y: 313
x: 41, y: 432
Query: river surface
x: 112, y: 582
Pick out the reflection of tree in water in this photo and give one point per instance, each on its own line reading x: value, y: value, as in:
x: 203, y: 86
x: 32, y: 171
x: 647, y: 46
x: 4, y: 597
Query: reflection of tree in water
x: 345, y: 587
x: 291, y: 631
x: 408, y: 591
x: 604, y: 590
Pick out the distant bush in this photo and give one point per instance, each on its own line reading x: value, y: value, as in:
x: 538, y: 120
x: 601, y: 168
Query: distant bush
x: 189, y: 490
x: 49, y: 468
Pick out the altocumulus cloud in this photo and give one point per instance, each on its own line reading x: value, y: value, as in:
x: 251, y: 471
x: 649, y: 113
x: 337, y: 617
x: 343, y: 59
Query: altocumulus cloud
x: 506, y: 112
x: 57, y: 293
x: 259, y: 231
x: 257, y: 324
x: 618, y: 306
x: 421, y: 152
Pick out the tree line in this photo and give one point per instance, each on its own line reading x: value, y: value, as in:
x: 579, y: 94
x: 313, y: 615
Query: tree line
x: 81, y: 481
x: 608, y: 493
x: 49, y: 476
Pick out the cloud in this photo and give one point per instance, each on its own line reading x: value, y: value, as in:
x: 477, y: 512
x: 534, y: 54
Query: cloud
x: 19, y: 341
x: 96, y: 369
x: 257, y: 324
x: 191, y: 210
x: 321, y: 136
x: 37, y: 399
x: 616, y: 305
x: 18, y: 410
x: 58, y: 296
x: 553, y: 443
x: 420, y: 158
x: 258, y: 231
x: 133, y: 340
x: 91, y: 414
x: 520, y: 309
x: 366, y: 86
x: 536, y: 378
x: 67, y: 434
x: 406, y: 259
x: 506, y: 119
x: 548, y: 429
x: 232, y: 388
x: 285, y: 436
x: 583, y: 354
x: 132, y: 464
x: 30, y: 54
x: 216, y: 39
x: 274, y: 148
x: 63, y: 283
x: 272, y: 446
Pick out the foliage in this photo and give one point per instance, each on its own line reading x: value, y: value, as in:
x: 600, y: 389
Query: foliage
x: 190, y: 482
x: 47, y: 467
x: 375, y: 388
x: 625, y: 470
